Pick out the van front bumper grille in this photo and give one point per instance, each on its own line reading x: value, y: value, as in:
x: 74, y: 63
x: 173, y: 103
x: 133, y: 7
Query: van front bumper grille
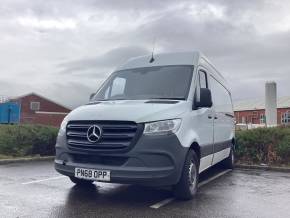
x: 115, y: 135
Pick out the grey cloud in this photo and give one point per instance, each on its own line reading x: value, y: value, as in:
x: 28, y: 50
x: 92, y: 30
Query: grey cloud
x: 70, y: 8
x: 73, y: 94
x: 11, y: 89
x: 107, y: 60
x: 238, y: 51
x: 74, y: 62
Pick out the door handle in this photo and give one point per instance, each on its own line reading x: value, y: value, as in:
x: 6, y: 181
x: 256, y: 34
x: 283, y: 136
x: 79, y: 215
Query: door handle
x: 209, y: 117
x: 215, y: 117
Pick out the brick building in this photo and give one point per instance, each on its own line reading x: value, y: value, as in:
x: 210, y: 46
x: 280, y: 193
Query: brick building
x: 37, y: 109
x: 253, y: 111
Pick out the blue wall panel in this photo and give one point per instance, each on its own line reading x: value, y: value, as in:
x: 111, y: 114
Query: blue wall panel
x: 9, y: 112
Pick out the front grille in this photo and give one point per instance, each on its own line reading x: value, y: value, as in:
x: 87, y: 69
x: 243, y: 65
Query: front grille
x: 116, y: 135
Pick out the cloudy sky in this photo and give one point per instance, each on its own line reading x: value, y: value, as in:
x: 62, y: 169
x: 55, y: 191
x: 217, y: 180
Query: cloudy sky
x: 64, y: 49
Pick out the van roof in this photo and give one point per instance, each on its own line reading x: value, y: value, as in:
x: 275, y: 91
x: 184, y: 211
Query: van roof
x: 177, y: 58
x: 162, y: 59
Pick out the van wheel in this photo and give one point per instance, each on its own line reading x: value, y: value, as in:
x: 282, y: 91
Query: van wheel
x: 229, y: 162
x: 186, y: 188
x: 80, y: 182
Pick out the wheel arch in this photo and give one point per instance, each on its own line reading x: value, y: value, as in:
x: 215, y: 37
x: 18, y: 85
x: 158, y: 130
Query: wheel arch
x: 196, y: 148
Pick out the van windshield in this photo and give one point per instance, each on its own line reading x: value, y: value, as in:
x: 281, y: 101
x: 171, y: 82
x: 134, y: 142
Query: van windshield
x: 166, y: 82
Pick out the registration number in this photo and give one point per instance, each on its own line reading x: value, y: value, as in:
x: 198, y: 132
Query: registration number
x: 89, y: 174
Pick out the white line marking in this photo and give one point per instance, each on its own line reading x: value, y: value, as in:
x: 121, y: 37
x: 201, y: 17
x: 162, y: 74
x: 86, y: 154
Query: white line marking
x: 213, y: 178
x: 169, y: 200
x: 43, y: 180
x: 162, y: 203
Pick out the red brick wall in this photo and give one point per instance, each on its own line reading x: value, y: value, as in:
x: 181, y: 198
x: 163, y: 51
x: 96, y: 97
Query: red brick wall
x: 48, y: 119
x: 253, y: 116
x: 29, y: 116
x: 280, y: 112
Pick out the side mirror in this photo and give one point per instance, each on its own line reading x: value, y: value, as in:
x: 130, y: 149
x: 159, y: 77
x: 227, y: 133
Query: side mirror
x: 205, y: 98
x: 92, y: 95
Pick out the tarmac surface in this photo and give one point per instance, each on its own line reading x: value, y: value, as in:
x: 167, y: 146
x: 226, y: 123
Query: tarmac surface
x: 35, y: 189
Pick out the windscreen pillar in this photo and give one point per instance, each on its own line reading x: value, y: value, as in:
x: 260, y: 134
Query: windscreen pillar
x: 271, y: 103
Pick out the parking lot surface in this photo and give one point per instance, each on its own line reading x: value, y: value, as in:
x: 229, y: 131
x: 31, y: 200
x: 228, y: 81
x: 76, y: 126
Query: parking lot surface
x: 35, y: 190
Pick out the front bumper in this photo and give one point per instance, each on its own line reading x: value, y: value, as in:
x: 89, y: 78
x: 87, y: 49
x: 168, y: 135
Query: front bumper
x: 153, y: 161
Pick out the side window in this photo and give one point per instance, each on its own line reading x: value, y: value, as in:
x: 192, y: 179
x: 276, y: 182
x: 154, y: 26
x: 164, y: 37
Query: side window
x: 118, y: 86
x: 221, y: 97
x: 202, y: 79
x: 115, y: 88
x: 202, y: 83
x: 285, y: 118
x: 262, y: 118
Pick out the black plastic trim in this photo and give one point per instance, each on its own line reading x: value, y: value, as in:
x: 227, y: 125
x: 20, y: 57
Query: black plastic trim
x: 209, y: 149
x: 222, y: 145
x: 161, y: 102
x: 153, y: 161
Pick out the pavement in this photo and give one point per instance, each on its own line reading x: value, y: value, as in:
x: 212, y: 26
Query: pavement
x: 34, y: 189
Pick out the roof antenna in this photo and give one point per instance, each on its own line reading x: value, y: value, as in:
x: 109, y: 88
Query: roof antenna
x: 152, y: 54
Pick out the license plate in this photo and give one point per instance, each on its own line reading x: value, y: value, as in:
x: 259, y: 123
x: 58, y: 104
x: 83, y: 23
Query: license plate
x: 89, y: 174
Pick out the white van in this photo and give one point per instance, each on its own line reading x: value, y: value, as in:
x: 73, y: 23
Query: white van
x: 156, y: 121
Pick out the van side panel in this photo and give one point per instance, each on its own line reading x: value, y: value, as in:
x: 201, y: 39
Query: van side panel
x: 223, y: 116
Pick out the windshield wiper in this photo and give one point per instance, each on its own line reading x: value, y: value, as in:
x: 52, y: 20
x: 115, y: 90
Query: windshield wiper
x: 163, y: 98
x: 121, y: 99
x: 113, y: 99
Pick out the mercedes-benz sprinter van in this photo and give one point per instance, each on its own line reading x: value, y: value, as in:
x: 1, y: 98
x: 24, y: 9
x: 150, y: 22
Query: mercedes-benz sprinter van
x: 156, y: 121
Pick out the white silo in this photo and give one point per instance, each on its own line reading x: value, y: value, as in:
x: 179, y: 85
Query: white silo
x: 271, y: 103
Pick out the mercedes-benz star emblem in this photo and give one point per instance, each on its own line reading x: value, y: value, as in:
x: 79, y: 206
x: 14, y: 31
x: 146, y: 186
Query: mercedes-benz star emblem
x: 94, y: 133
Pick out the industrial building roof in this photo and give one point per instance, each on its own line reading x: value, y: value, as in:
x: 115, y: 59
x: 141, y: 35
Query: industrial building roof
x: 258, y: 104
x: 40, y: 96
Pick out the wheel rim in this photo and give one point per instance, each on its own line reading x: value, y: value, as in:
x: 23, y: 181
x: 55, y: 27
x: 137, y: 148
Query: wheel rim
x: 192, y: 174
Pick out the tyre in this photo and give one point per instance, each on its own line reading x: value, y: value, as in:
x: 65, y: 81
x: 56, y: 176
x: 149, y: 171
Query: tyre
x: 229, y: 162
x: 186, y: 188
x: 80, y: 182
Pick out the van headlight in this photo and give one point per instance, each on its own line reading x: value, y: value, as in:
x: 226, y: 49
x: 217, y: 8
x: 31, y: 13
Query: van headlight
x: 163, y: 127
